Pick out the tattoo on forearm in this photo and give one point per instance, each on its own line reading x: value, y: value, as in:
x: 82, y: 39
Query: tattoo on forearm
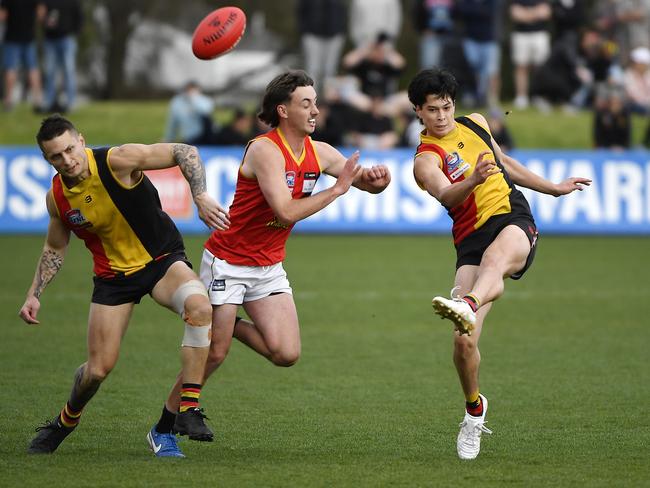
x: 189, y: 162
x: 48, y: 267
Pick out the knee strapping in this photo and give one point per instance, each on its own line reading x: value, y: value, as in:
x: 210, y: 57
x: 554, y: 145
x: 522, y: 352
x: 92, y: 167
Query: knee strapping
x: 192, y: 287
x: 197, y: 335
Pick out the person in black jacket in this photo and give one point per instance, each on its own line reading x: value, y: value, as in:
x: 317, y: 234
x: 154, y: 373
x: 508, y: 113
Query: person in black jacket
x: 321, y: 24
x: 62, y: 25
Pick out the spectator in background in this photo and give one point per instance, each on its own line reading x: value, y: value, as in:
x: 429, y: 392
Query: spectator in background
x: 321, y: 25
x: 560, y: 76
x: 19, y: 48
x: 375, y: 130
x: 636, y: 81
x: 377, y: 67
x: 568, y: 18
x: 531, y: 42
x: 369, y: 18
x: 597, y: 64
x: 481, y: 19
x: 434, y: 23
x: 332, y: 123
x: 190, y: 117
x: 569, y: 77
x: 410, y: 129
x: 238, y: 132
x: 624, y: 22
x: 62, y: 25
x: 612, y: 120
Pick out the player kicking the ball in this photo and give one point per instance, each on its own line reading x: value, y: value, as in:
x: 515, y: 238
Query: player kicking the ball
x: 242, y: 266
x: 459, y: 163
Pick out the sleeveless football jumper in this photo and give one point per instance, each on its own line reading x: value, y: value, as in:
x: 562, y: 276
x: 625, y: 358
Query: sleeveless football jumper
x: 123, y: 227
x: 458, y: 152
x: 255, y: 236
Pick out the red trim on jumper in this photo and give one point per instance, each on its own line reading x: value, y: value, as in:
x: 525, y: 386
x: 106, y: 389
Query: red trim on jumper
x: 463, y: 214
x: 102, y: 265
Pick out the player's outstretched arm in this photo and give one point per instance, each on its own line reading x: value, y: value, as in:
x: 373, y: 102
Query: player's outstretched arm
x: 522, y: 176
x: 128, y: 160
x: 189, y: 161
x: 49, y: 263
x: 373, y: 180
x: 265, y: 162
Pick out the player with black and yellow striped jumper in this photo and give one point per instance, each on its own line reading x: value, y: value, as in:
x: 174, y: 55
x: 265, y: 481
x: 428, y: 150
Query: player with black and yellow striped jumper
x: 104, y: 197
x: 459, y: 163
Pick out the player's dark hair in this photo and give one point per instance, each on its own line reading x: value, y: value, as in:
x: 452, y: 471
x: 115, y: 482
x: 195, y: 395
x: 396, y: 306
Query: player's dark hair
x: 438, y: 82
x: 279, y: 91
x: 53, y: 126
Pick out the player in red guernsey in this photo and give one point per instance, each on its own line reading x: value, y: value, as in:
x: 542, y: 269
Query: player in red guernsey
x: 459, y: 163
x: 242, y: 266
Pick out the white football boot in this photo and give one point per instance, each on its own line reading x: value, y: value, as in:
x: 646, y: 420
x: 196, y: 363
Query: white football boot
x: 456, y: 310
x: 468, y: 443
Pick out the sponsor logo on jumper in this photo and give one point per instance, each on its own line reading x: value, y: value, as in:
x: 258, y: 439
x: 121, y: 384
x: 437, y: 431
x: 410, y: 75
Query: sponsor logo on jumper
x: 461, y: 145
x: 455, y: 165
x: 88, y: 199
x: 76, y: 219
x: 309, y: 182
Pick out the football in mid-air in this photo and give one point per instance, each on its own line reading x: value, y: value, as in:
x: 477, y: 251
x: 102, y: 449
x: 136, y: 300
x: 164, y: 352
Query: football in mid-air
x: 218, y: 32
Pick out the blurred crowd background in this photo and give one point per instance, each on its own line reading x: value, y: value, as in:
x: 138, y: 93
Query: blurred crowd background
x: 558, y: 57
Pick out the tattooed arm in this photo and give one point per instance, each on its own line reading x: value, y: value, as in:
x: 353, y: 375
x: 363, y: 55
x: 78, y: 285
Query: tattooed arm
x: 189, y: 161
x: 49, y: 264
x: 128, y: 162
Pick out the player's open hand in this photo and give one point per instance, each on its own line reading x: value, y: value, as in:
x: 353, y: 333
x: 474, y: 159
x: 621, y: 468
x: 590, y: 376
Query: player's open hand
x: 376, y: 178
x: 485, y: 167
x: 211, y: 213
x: 30, y: 309
x: 349, y: 173
x: 571, y: 184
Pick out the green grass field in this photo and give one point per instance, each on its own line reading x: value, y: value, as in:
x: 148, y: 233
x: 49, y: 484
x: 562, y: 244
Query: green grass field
x: 374, y: 401
x: 117, y: 122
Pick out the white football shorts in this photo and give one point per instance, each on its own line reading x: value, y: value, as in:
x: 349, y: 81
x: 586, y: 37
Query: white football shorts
x: 231, y: 283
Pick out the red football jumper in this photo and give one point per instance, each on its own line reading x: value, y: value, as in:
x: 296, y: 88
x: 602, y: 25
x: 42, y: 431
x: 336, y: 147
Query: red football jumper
x: 255, y: 236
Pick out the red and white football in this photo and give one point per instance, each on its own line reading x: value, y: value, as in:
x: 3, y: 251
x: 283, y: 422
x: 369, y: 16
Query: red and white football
x: 218, y: 32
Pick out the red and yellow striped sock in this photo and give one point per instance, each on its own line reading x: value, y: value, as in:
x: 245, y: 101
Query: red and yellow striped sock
x: 472, y: 301
x: 190, y: 393
x: 70, y: 417
x: 474, y: 405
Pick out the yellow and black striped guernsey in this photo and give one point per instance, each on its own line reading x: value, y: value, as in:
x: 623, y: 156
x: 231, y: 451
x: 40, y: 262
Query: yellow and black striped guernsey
x: 124, y: 227
x: 458, y: 152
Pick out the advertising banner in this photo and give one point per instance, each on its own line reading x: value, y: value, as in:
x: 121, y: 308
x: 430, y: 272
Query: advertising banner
x: 618, y: 202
